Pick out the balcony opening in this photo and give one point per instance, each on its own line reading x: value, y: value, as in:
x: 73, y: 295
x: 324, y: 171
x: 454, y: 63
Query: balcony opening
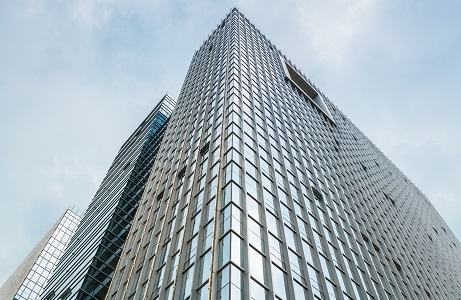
x: 306, y: 89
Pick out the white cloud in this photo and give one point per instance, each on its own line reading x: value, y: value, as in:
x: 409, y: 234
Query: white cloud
x: 332, y: 28
x: 93, y: 14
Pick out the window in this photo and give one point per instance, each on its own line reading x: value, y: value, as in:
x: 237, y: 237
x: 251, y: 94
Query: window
x: 50, y: 295
x: 256, y: 262
x: 278, y: 282
x: 257, y: 292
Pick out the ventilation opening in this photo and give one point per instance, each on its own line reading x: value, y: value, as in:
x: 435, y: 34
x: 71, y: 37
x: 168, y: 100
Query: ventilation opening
x: 65, y: 295
x: 389, y: 198
x: 182, y: 172
x: 306, y: 88
x: 376, y: 248
x: 50, y: 295
x: 126, y: 165
x: 205, y: 148
x: 397, y: 266
x: 318, y: 196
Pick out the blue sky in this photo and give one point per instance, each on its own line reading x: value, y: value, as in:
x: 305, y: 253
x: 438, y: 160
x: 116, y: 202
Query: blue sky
x: 78, y: 76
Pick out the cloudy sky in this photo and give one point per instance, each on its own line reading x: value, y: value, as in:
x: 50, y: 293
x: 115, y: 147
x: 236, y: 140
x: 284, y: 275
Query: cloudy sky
x: 78, y: 76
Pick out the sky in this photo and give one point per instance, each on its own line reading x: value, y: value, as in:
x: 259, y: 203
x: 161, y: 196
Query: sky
x: 78, y: 76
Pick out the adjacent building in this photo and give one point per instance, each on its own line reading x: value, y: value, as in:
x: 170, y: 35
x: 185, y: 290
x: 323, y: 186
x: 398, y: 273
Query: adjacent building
x: 29, y: 279
x: 86, y: 269
x: 263, y: 189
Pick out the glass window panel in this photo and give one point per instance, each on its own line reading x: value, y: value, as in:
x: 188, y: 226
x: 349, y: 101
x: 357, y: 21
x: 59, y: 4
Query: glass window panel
x: 253, y: 208
x: 205, y: 267
x: 290, y: 236
x: 225, y: 249
x: 272, y: 221
x: 324, y: 262
x: 300, y: 291
x: 257, y: 292
x: 255, y: 235
x: 232, y: 219
x: 251, y: 186
x: 236, y: 249
x: 331, y: 289
x: 189, y: 274
x: 232, y: 193
x: 316, y: 288
x: 308, y: 253
x: 203, y: 292
x: 256, y: 261
x: 278, y: 282
x: 276, y: 251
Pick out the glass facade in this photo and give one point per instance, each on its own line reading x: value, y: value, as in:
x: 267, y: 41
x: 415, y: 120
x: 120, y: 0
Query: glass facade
x: 86, y: 270
x: 263, y: 189
x: 29, y: 279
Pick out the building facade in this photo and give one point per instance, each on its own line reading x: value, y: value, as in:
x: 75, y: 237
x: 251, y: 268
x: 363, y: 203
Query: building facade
x: 86, y: 268
x: 264, y: 189
x: 29, y: 279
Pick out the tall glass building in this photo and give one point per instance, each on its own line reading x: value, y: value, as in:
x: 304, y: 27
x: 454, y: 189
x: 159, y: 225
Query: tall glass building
x: 264, y: 189
x: 29, y: 279
x: 86, y: 269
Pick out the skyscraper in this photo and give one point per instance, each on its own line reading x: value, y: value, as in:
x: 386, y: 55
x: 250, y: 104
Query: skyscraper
x: 263, y: 189
x: 29, y: 279
x: 86, y: 268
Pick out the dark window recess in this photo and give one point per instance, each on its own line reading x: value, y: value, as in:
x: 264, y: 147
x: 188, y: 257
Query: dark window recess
x: 318, y: 196
x: 182, y: 172
x: 211, y: 48
x: 160, y: 195
x: 376, y: 248
x: 205, y: 148
x: 435, y: 230
x: 365, y: 238
x: 430, y: 237
x: 364, y: 167
x: 397, y: 266
x: 65, y: 294
x: 427, y: 294
x: 127, y: 165
x: 389, y: 198
x: 50, y: 295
